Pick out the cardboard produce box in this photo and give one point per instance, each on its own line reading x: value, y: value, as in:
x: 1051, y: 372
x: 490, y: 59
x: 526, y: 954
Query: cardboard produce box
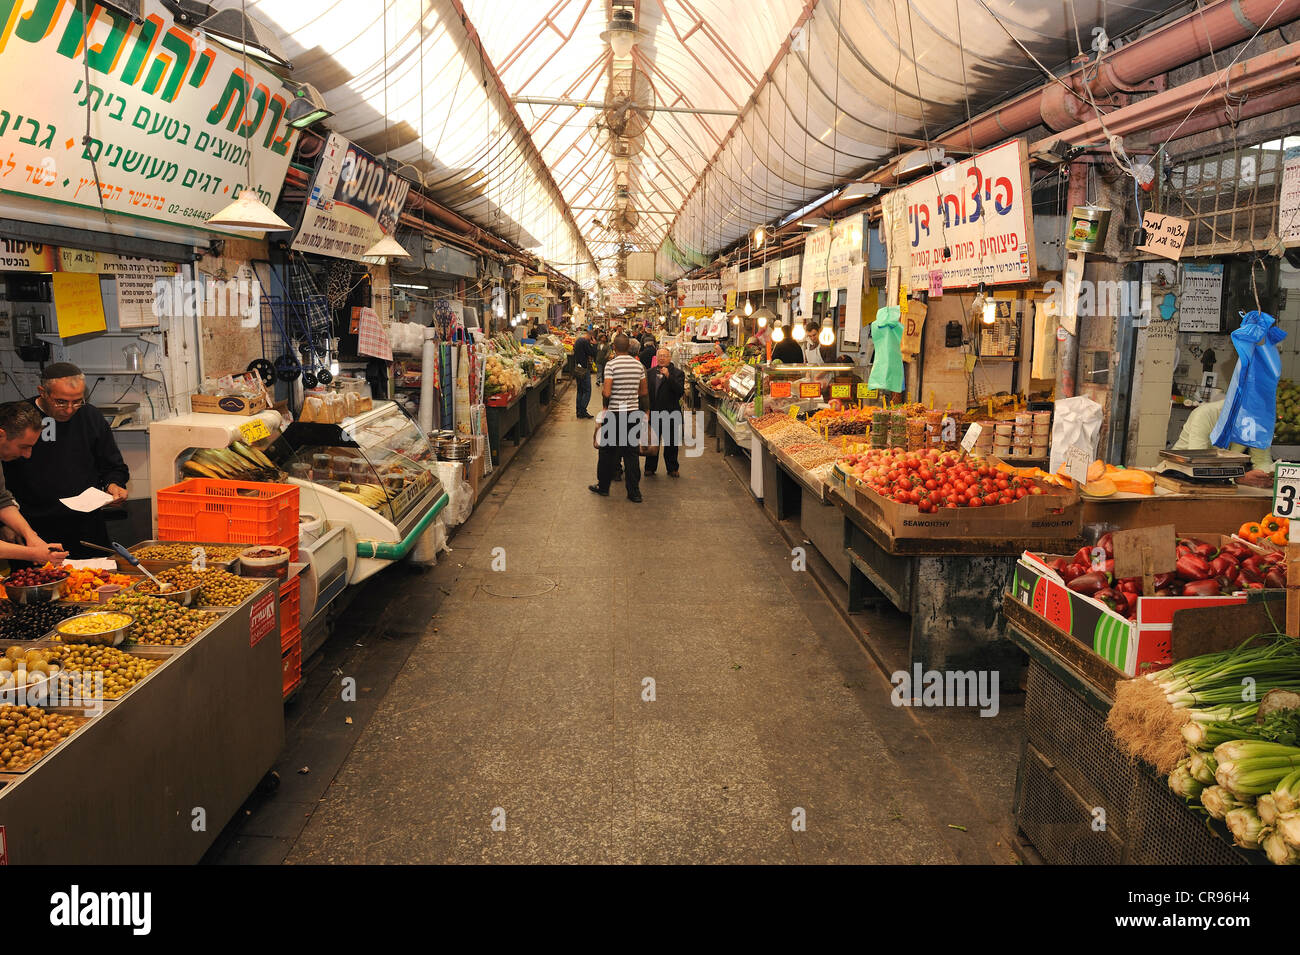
x: 1131, y: 646
x: 474, y: 473
x: 1056, y: 514
x: 227, y: 404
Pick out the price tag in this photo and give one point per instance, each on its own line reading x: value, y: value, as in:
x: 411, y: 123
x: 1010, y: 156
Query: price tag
x: 254, y: 431
x: 1076, y: 463
x: 809, y: 389
x: 936, y: 283
x: 780, y: 389
x: 1286, y: 494
x: 841, y: 391
x: 972, y: 437
x: 867, y: 392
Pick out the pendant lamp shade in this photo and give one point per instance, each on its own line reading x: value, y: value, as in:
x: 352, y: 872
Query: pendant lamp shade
x: 248, y: 214
x: 387, y: 247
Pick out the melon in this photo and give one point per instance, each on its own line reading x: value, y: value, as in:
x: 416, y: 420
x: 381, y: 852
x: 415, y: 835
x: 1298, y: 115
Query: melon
x: 1101, y: 487
x: 1096, y: 470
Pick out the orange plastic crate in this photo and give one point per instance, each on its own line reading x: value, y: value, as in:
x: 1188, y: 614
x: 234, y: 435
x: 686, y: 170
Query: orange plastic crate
x: 291, y: 663
x: 289, y: 606
x: 229, y: 512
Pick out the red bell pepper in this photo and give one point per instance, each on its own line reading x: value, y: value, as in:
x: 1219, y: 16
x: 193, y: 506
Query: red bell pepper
x: 1204, y: 550
x: 1163, y: 580
x: 1201, y: 588
x: 1192, y: 567
x: 1072, y: 571
x: 1112, y: 599
x: 1088, y: 584
x: 1107, y: 543
x: 1253, y: 562
x: 1131, y: 585
x: 1221, y: 565
x: 1275, y: 579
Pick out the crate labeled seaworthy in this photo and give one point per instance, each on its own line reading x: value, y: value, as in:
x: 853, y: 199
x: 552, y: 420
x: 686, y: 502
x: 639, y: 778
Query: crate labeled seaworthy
x: 230, y: 512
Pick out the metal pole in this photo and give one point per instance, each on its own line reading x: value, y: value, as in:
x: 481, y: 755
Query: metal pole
x: 588, y: 104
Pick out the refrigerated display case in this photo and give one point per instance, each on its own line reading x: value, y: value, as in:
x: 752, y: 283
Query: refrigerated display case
x: 375, y: 472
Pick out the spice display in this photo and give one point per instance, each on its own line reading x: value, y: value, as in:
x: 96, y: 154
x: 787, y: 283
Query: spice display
x: 161, y: 622
x: 28, y: 732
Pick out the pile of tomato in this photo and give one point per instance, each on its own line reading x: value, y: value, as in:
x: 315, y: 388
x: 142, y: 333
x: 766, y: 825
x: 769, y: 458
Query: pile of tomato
x: 931, y: 479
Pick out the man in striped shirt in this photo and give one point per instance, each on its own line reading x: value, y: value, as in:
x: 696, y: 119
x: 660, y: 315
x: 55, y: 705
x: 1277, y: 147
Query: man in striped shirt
x: 623, y: 422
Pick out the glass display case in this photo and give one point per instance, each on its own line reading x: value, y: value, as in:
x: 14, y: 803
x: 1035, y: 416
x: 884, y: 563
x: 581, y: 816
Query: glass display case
x: 379, y: 459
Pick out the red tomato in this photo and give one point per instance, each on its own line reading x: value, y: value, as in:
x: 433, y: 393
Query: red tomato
x: 975, y: 502
x: 931, y: 484
x: 990, y: 499
x: 1002, y: 484
x: 1020, y: 493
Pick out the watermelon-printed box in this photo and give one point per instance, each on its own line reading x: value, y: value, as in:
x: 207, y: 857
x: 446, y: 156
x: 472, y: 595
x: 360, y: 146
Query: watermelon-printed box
x: 1132, y: 646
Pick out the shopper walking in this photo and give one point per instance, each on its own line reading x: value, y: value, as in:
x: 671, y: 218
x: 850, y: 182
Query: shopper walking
x: 666, y: 386
x: 603, y: 351
x: 648, y: 349
x: 623, y: 422
x: 584, y: 354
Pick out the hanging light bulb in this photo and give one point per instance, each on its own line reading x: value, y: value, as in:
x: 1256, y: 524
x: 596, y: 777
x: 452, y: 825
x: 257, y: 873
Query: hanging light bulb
x: 827, y: 334
x: 735, y: 319
x: 622, y: 33
x: 759, y: 236
x: 749, y: 309
x: 798, y: 332
x: 990, y: 312
x: 778, y: 332
x: 334, y: 367
x: 762, y: 318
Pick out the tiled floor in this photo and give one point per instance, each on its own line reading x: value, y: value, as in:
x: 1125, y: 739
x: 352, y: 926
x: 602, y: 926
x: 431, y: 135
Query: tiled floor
x: 679, y: 695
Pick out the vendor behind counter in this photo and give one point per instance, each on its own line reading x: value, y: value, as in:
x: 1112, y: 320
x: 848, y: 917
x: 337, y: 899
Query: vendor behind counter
x: 76, y: 451
x: 1195, y: 436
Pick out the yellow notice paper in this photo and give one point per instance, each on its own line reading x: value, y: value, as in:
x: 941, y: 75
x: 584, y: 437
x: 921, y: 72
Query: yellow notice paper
x: 78, y: 307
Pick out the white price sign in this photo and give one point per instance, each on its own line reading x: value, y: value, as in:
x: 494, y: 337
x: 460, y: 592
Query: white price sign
x: 1286, y: 494
x: 971, y: 438
x: 1076, y: 463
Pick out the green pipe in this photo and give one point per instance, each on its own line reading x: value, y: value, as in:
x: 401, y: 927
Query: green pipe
x: 389, y: 550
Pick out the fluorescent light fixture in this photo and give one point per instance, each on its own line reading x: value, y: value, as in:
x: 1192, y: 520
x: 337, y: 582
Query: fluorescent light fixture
x: 246, y: 34
x: 248, y: 213
x: 859, y: 190
x: 919, y: 159
x: 814, y: 222
x: 307, y: 107
x: 418, y: 288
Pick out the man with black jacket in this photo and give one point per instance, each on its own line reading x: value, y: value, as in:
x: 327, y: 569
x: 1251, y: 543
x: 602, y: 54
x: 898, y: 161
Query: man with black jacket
x: 584, y: 354
x: 76, y: 451
x: 666, y: 386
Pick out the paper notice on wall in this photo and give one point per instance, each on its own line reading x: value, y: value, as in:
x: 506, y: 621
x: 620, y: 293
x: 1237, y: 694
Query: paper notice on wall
x: 78, y: 305
x: 1072, y: 283
x: 853, y: 309
x: 1288, y: 204
x: 1165, y: 234
x: 1200, y: 302
x: 137, y: 292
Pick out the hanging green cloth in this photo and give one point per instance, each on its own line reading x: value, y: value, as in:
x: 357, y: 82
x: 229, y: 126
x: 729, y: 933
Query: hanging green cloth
x: 887, y: 337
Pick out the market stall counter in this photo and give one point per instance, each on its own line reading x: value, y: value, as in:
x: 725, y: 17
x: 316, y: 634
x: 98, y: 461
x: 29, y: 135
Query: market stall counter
x: 1071, y: 768
x: 152, y: 777
x: 504, y: 419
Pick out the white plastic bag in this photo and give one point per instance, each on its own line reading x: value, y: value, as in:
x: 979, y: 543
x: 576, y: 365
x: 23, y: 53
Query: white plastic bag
x: 1077, y: 424
x: 460, y: 496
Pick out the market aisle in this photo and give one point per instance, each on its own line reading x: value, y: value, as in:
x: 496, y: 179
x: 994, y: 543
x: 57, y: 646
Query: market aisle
x: 764, y: 703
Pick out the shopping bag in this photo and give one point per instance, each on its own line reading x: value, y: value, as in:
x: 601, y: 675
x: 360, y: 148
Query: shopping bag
x: 1250, y: 409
